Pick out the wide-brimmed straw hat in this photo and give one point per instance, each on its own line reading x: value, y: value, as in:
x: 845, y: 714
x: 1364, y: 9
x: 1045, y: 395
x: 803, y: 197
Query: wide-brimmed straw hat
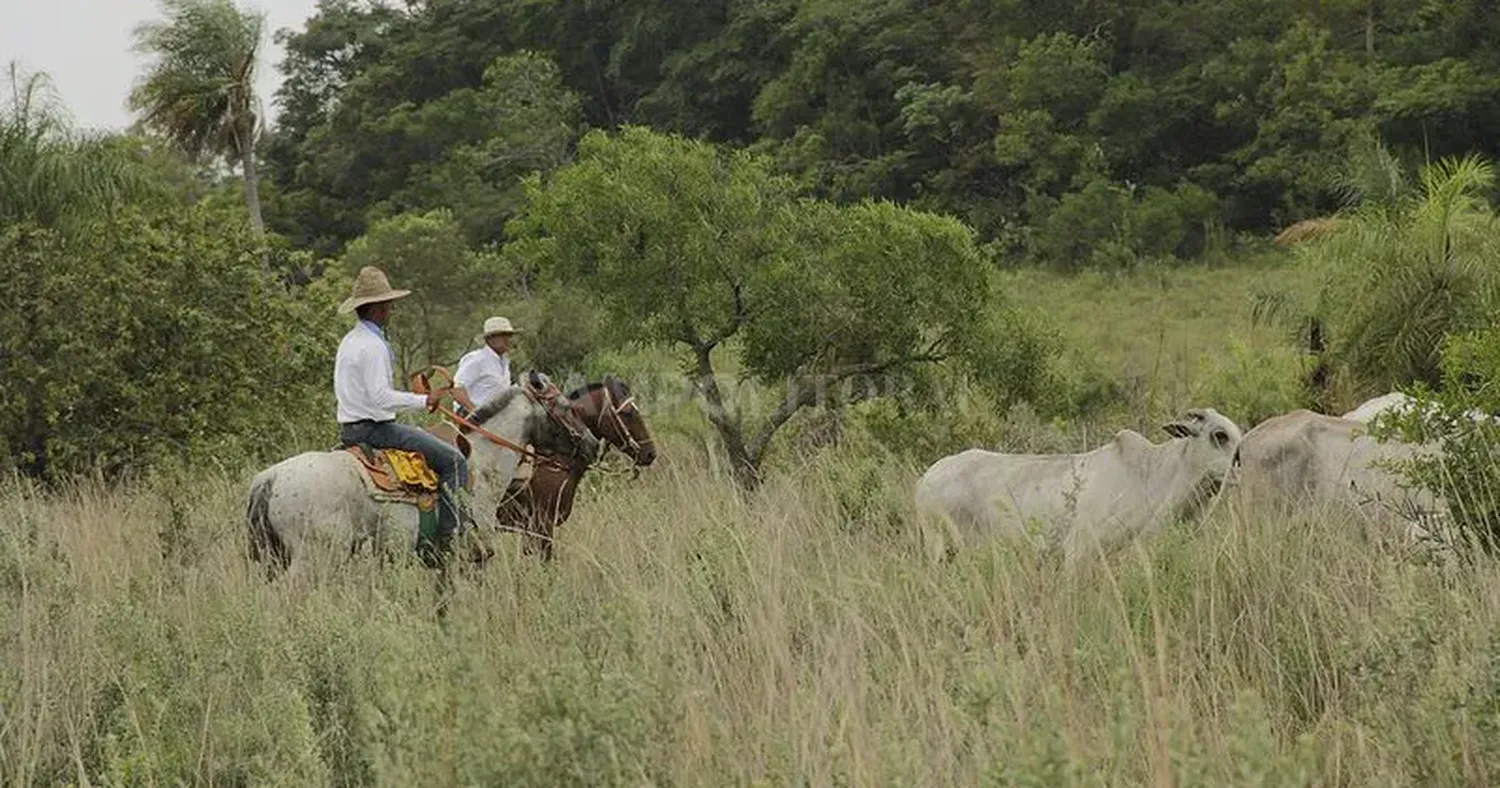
x: 370, y: 287
x: 496, y: 325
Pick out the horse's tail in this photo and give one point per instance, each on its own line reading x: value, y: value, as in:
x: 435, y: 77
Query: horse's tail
x: 265, y: 543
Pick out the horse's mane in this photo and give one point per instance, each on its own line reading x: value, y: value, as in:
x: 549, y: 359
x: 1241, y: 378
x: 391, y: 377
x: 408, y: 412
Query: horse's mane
x: 580, y: 392
x: 494, y: 406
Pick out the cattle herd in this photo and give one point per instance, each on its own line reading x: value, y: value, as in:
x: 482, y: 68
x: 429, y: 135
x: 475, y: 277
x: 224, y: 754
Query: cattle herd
x: 1081, y: 504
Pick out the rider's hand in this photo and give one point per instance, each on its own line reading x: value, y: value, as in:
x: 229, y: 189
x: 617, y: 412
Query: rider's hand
x: 435, y: 398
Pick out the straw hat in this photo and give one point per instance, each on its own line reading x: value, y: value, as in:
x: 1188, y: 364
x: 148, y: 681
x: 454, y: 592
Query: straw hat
x: 370, y: 287
x: 496, y: 325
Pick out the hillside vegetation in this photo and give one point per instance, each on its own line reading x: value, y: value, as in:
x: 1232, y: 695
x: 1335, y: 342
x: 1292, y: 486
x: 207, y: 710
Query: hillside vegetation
x: 826, y: 243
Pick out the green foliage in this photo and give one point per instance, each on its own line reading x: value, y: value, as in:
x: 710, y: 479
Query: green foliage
x: 1105, y: 225
x: 569, y: 329
x: 426, y: 254
x: 1457, y: 421
x: 50, y: 175
x: 1252, y: 381
x: 464, y: 150
x: 683, y: 243
x: 993, y: 113
x: 151, y: 338
x: 1398, y: 277
x: 521, y: 120
x: 673, y: 236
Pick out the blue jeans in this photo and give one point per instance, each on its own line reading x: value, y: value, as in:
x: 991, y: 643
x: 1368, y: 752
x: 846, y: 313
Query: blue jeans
x: 452, y: 469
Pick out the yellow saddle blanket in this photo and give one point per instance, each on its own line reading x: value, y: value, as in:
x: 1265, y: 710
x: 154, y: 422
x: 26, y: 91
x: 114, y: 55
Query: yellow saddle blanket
x: 398, y: 475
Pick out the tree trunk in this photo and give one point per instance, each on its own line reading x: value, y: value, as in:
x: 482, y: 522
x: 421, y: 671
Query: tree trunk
x: 744, y: 464
x: 252, y: 202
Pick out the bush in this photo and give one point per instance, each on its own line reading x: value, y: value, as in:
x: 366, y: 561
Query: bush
x: 155, y: 337
x: 1252, y: 382
x: 1107, y: 225
x: 1465, y: 470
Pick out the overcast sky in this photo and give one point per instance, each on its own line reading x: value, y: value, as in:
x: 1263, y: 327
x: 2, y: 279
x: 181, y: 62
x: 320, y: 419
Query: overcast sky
x: 85, y: 47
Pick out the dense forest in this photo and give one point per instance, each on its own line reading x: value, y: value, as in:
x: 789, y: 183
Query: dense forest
x: 1073, y: 132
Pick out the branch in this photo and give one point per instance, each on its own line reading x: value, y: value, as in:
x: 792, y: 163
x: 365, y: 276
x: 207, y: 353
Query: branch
x: 738, y: 319
x: 801, y: 394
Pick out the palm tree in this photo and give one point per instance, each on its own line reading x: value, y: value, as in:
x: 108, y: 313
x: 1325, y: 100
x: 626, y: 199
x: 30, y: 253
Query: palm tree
x: 1402, y: 267
x: 50, y: 175
x: 200, y: 93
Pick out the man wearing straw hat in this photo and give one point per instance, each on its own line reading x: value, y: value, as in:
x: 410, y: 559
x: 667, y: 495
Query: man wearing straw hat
x: 368, y: 403
x: 484, y: 373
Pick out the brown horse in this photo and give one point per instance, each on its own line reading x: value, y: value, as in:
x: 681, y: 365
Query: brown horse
x: 538, y: 505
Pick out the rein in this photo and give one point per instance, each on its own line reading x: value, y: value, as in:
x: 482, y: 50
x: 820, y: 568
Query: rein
x: 420, y: 385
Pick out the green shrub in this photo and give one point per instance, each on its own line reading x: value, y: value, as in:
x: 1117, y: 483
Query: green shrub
x: 1251, y: 381
x: 1465, y: 470
x: 156, y: 337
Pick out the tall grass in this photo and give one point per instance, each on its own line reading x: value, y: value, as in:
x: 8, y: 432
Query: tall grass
x: 687, y: 636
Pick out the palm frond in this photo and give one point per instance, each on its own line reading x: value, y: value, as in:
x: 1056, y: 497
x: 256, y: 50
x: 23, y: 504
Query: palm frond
x: 200, y: 92
x: 49, y: 173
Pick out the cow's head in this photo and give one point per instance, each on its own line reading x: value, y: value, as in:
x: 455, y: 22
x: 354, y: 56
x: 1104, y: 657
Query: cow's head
x: 1215, y: 439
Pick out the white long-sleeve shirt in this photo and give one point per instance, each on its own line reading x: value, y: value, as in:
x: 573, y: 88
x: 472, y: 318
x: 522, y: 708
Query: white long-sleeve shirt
x: 362, y: 378
x: 484, y: 374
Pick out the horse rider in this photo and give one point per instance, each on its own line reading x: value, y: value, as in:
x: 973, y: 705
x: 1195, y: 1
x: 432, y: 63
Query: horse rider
x: 484, y: 373
x: 368, y: 402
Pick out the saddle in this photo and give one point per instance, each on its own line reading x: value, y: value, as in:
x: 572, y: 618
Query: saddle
x: 401, y: 476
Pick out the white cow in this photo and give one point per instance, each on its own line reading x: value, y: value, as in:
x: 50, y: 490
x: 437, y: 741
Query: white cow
x: 1306, y: 459
x: 1080, y: 503
x: 1368, y: 410
x: 1399, y: 403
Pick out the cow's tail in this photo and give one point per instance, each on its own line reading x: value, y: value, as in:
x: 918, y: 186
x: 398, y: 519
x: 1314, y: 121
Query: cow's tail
x: 266, y: 546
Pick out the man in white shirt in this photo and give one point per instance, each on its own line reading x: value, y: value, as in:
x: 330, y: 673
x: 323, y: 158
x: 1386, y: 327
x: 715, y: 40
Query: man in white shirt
x: 368, y: 403
x: 484, y: 373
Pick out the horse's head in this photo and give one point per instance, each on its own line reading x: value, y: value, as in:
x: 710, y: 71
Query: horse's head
x: 559, y: 432
x: 610, y: 411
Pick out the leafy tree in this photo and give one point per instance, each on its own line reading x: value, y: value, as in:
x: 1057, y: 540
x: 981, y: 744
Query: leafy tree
x: 1400, y: 271
x: 426, y: 253
x: 521, y: 120
x: 690, y: 245
x: 1458, y: 420
x: 200, y: 93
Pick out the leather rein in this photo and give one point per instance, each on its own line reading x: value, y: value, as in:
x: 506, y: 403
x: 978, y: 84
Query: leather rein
x: 420, y: 383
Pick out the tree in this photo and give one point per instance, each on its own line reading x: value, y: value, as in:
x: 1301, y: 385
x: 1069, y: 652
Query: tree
x: 51, y: 176
x: 152, y: 337
x: 201, y: 91
x: 689, y: 245
x: 1402, y: 267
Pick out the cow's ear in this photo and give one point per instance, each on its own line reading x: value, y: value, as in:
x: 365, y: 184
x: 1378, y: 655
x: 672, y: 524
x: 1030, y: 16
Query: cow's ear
x: 1178, y: 429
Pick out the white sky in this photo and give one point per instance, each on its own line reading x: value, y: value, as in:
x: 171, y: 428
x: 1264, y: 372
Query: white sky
x: 85, y: 47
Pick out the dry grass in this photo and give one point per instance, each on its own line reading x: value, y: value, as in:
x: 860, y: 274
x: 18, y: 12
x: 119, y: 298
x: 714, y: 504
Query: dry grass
x: 1306, y: 230
x: 688, y: 637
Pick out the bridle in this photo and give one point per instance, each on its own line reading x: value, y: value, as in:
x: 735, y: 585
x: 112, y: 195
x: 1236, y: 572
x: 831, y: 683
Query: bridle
x: 632, y: 446
x: 421, y: 382
x: 548, y: 399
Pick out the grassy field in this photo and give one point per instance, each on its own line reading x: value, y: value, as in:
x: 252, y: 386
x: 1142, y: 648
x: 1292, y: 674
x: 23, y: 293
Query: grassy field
x: 688, y: 635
